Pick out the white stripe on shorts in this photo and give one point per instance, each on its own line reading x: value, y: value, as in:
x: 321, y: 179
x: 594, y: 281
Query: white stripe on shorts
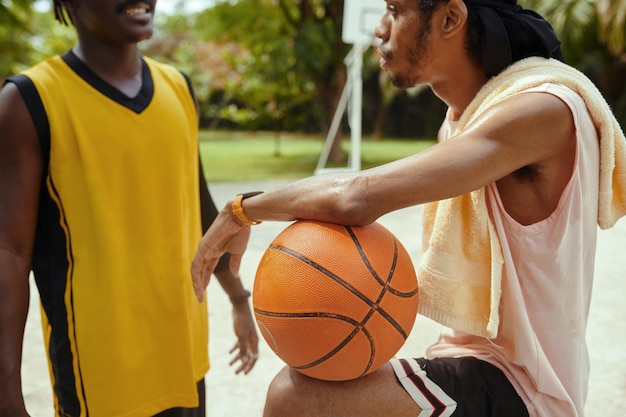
x: 433, y: 401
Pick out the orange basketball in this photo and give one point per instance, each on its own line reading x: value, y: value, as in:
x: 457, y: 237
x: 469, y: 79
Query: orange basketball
x: 335, y: 302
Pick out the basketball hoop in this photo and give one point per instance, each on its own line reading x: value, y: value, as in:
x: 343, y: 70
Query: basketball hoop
x: 360, y: 17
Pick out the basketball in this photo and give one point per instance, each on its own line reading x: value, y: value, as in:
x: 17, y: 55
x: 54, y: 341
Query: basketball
x: 335, y: 302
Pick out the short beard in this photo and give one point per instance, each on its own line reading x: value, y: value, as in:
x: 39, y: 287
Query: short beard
x: 417, y: 55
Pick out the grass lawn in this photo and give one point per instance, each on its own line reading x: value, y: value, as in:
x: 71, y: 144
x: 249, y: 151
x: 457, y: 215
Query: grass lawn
x: 260, y: 156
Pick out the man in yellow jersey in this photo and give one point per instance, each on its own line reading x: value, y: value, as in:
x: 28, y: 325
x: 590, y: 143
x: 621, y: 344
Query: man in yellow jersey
x: 104, y: 199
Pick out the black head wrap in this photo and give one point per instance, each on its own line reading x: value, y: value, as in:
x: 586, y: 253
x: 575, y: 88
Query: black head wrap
x: 510, y: 33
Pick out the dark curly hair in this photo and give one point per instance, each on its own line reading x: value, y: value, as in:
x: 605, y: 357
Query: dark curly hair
x: 60, y: 14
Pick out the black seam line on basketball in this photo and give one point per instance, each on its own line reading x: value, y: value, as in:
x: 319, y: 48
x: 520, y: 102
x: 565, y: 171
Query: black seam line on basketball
x: 344, y: 284
x: 392, y: 270
x: 357, y: 328
x: 366, y: 260
x: 340, y: 346
x: 316, y: 314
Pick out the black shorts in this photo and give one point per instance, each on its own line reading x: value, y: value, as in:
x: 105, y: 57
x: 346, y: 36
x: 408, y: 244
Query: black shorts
x: 458, y: 387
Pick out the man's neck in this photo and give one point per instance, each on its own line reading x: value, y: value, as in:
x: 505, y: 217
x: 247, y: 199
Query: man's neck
x: 458, y: 88
x: 118, y: 66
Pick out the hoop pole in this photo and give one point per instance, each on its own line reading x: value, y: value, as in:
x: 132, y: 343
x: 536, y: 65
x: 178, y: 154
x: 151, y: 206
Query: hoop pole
x: 351, y: 99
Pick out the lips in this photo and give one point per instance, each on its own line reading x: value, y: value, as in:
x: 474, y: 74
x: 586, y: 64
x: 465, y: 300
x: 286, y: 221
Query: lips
x: 384, y: 57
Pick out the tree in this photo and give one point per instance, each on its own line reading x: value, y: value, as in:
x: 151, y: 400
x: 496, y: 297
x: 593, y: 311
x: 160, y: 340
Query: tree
x: 14, y: 33
x: 593, y: 33
x: 294, y: 70
x: 29, y: 36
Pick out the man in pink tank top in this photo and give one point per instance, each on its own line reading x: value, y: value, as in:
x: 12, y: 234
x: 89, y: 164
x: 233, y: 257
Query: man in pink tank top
x: 525, y: 133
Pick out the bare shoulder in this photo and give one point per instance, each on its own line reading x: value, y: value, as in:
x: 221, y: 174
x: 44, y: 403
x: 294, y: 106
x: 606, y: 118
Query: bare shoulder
x: 9, y: 95
x: 15, y: 119
x: 13, y: 109
x: 21, y: 166
x: 539, y: 108
x: 532, y: 127
x: 540, y: 137
x: 21, y: 151
x: 9, y: 92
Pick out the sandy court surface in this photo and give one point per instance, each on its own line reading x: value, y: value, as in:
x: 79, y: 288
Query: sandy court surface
x: 229, y: 394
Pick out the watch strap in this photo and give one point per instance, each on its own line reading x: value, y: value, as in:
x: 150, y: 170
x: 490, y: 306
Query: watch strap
x: 237, y: 208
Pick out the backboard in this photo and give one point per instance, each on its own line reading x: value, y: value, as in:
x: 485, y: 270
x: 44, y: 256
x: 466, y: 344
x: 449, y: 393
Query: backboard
x: 360, y: 17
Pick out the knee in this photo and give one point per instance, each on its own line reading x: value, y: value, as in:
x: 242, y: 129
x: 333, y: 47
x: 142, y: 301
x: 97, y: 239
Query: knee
x: 284, y: 395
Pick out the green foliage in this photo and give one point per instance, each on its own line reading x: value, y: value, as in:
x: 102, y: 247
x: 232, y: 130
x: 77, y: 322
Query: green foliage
x: 14, y: 12
x: 51, y: 38
x: 29, y: 36
x: 593, y: 33
x: 612, y: 25
x: 575, y: 21
x: 14, y: 48
x: 584, y: 25
x: 285, y: 52
x: 274, y: 77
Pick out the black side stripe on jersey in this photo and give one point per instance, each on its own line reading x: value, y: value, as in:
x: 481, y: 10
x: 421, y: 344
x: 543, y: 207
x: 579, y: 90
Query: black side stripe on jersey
x: 58, y: 277
x: 190, y: 86
x: 51, y: 263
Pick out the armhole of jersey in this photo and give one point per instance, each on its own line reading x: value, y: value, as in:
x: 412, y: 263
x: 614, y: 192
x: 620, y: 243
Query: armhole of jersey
x: 37, y: 111
x: 190, y: 87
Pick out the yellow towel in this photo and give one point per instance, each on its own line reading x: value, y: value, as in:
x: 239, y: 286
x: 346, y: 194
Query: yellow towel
x: 461, y: 263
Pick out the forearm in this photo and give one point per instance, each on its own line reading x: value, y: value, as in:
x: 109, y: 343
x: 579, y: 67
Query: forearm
x: 232, y: 286
x: 361, y: 198
x: 14, y: 300
x: 336, y: 198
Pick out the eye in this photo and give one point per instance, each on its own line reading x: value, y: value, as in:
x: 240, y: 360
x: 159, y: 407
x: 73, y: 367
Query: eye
x: 392, y: 9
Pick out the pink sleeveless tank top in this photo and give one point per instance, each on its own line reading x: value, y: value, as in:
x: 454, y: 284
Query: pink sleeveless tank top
x: 547, y: 284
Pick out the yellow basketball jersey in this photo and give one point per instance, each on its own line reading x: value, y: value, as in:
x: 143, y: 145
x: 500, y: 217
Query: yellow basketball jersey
x: 118, y: 227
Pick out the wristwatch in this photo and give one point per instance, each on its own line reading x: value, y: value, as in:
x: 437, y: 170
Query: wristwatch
x: 237, y: 209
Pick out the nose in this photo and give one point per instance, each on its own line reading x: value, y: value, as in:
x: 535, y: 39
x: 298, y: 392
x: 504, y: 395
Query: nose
x: 381, y: 31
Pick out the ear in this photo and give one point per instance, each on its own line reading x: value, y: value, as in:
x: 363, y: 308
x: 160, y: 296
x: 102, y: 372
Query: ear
x: 453, y: 18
